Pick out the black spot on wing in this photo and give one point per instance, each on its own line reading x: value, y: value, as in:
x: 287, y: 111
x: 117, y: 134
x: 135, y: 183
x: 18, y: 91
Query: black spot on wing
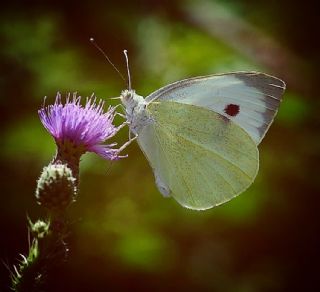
x: 232, y: 110
x: 271, y: 88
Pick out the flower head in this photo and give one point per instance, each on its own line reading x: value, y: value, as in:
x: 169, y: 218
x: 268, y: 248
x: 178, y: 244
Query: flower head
x: 78, y: 129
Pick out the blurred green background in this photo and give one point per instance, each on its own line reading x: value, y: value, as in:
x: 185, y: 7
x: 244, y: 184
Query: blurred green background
x: 125, y: 235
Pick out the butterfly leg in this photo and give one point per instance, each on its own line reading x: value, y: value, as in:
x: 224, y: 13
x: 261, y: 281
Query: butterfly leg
x: 128, y: 143
x: 121, y: 115
x: 118, y: 129
x: 117, y: 113
x: 124, y: 123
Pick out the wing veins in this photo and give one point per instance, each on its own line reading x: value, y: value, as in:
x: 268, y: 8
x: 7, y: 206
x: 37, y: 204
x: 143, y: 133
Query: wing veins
x: 245, y: 101
x: 220, y: 175
x: 199, y: 170
x: 254, y: 120
x: 278, y: 86
x: 192, y: 130
x: 262, y: 93
x: 181, y: 175
x: 216, y: 153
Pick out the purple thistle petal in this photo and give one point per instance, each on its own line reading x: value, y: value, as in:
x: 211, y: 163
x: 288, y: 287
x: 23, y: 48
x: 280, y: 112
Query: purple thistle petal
x: 86, y: 127
x: 106, y: 152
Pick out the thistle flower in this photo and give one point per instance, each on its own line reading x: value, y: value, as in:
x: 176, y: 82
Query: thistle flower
x: 78, y: 129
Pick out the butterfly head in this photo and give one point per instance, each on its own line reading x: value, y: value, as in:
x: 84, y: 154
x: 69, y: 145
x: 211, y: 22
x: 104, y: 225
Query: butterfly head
x: 127, y: 97
x: 130, y: 99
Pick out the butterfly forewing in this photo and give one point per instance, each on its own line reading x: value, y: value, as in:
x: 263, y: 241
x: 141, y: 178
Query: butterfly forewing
x: 201, y: 157
x: 249, y: 99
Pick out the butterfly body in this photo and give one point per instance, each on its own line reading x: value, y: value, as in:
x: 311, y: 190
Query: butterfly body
x: 136, y: 113
x: 200, y: 135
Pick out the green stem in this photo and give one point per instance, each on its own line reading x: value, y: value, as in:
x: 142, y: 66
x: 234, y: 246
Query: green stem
x: 56, y: 189
x: 47, y: 250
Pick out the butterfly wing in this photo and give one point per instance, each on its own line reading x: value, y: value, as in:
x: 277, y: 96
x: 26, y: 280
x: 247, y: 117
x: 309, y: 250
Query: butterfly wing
x: 250, y: 99
x: 199, y: 157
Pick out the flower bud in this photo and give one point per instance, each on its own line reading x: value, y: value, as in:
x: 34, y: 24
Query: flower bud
x: 56, y: 187
x: 40, y: 228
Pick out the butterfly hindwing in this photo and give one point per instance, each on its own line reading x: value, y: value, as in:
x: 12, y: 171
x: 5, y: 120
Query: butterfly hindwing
x: 199, y: 157
x: 250, y: 99
x: 148, y: 142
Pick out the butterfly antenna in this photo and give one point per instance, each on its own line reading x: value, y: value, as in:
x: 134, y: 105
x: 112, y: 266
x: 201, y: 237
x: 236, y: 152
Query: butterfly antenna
x: 128, y: 70
x: 106, y: 56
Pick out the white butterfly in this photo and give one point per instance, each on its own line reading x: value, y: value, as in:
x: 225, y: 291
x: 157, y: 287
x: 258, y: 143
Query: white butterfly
x: 200, y: 135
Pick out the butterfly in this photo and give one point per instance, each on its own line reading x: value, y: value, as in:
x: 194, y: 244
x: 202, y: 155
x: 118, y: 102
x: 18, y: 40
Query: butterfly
x: 200, y: 135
